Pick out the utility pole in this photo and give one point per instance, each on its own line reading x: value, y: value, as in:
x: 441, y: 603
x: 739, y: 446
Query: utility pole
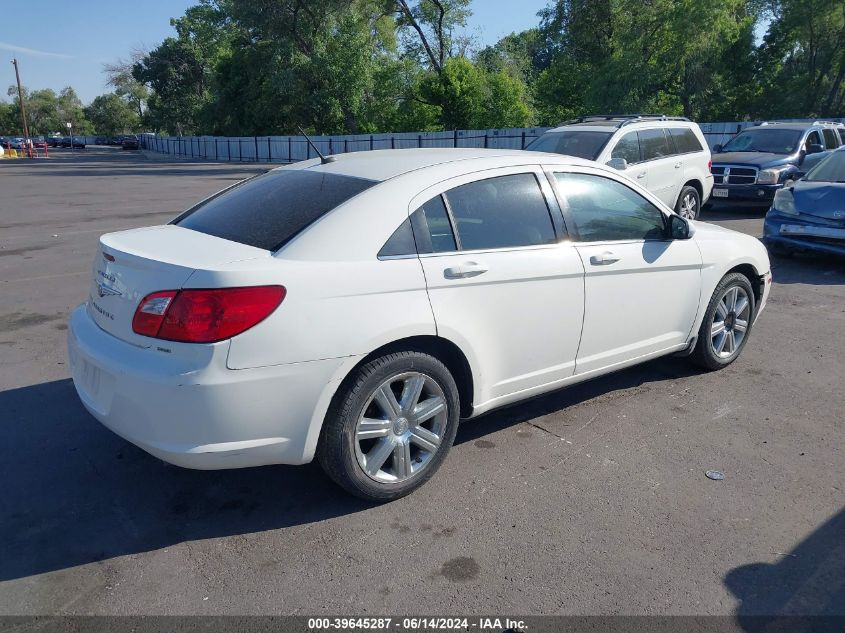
x: 20, y: 100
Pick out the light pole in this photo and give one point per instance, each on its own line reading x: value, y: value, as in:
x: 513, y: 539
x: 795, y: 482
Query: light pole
x: 20, y: 100
x: 70, y: 129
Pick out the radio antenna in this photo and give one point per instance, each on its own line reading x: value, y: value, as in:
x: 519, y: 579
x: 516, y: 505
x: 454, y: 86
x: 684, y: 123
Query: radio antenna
x: 323, y: 159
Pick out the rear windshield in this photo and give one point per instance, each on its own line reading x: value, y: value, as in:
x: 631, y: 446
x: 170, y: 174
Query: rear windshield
x: 270, y: 210
x: 581, y: 144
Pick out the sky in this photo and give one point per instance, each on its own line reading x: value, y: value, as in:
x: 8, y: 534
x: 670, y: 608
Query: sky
x: 60, y: 43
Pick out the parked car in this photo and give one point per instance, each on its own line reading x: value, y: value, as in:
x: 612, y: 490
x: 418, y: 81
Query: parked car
x: 130, y: 141
x: 17, y: 143
x: 364, y: 304
x: 77, y: 141
x: 666, y: 155
x: 54, y: 141
x: 809, y: 214
x: 116, y: 140
x: 750, y: 168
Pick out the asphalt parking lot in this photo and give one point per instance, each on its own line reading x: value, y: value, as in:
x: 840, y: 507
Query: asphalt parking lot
x: 591, y: 500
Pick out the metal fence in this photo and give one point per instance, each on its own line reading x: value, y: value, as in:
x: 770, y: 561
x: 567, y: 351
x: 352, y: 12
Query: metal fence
x: 287, y: 149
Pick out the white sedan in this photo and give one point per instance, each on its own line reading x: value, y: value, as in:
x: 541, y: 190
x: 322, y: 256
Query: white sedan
x: 355, y: 309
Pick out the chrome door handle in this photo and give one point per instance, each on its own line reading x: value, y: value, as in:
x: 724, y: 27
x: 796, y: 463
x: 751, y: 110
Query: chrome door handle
x: 464, y: 271
x: 604, y: 259
x: 642, y: 175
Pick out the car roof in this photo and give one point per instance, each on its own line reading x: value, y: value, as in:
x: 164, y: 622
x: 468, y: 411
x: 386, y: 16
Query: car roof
x: 381, y: 165
x: 791, y: 125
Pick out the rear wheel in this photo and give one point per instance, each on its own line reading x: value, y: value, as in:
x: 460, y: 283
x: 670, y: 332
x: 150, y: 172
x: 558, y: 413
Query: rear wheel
x: 689, y: 203
x: 727, y: 323
x: 391, y: 426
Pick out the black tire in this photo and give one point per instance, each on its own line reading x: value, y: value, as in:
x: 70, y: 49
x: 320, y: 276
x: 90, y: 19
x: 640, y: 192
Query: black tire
x: 692, y: 193
x: 704, y: 355
x: 336, y: 450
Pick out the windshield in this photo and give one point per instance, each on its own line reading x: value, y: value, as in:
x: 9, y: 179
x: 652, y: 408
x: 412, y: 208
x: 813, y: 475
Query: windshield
x: 579, y: 143
x: 831, y: 169
x: 765, y: 140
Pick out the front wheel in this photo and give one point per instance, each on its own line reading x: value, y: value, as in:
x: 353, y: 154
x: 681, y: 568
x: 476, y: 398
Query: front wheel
x: 689, y: 203
x: 390, y: 426
x: 727, y: 323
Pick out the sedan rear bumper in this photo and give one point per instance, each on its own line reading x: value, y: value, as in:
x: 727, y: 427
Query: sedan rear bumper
x: 196, y: 412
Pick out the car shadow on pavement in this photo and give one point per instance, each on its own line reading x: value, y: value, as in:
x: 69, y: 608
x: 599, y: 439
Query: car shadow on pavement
x: 709, y: 214
x: 74, y: 493
x: 808, y: 268
x: 807, y: 581
x: 661, y: 369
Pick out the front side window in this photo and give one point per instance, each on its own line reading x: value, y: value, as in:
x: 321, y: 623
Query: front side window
x: 654, y: 144
x: 628, y: 148
x: 501, y: 212
x: 685, y: 140
x: 606, y: 210
x: 270, y: 210
x: 813, y: 138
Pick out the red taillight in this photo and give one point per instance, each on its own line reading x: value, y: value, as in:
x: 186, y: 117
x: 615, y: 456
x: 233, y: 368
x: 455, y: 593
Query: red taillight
x: 205, y: 316
x: 710, y: 166
x: 150, y: 312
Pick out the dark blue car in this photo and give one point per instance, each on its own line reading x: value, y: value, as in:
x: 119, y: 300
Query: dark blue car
x: 809, y: 214
x: 756, y: 163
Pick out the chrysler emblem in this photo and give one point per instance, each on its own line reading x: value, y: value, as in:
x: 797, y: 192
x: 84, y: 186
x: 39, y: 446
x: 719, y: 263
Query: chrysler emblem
x: 106, y: 291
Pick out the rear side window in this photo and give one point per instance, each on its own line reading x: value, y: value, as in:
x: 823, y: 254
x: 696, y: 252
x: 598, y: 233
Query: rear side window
x: 830, y: 139
x: 685, y: 140
x: 841, y: 131
x: 628, y: 148
x: 270, y: 210
x: 654, y: 144
x: 501, y: 212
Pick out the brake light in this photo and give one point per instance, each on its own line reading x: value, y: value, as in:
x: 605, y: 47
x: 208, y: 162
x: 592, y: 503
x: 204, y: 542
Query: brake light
x: 710, y: 166
x: 205, y: 316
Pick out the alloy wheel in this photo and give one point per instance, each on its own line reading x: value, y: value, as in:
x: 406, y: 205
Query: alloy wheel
x: 689, y: 207
x: 730, y: 322
x: 401, y: 428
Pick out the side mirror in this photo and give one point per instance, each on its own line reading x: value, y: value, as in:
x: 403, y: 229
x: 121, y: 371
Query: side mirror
x: 618, y: 163
x: 679, y: 228
x: 717, y: 148
x: 815, y: 148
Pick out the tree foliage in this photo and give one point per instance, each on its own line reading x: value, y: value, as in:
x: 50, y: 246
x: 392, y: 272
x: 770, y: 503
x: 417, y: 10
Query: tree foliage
x: 255, y: 67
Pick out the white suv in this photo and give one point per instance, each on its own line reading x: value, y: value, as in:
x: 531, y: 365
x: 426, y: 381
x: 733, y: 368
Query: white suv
x: 667, y: 155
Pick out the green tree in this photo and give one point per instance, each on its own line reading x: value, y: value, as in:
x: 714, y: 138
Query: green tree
x: 119, y: 76
x: 111, y: 114
x: 626, y: 55
x: 802, y: 59
x: 9, y: 119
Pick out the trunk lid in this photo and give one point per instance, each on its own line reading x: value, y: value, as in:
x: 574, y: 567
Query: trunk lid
x: 129, y: 265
